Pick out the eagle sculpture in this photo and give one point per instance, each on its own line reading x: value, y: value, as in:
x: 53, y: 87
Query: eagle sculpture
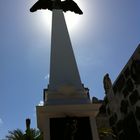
x: 67, y: 5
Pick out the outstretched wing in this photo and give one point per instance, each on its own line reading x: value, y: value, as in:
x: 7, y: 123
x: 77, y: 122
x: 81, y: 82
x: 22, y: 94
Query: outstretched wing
x: 70, y: 5
x: 41, y: 4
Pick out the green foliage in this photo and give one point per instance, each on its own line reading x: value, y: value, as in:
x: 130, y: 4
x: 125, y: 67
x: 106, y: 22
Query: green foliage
x: 105, y: 132
x: 15, y: 135
x: 30, y: 134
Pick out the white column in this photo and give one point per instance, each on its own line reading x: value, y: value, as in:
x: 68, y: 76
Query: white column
x: 63, y: 68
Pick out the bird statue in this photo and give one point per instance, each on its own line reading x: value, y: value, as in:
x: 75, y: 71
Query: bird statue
x: 67, y: 5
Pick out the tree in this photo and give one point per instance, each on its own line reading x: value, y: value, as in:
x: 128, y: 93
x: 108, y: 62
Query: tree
x: 30, y: 133
x: 18, y: 134
x: 15, y: 135
x: 33, y: 134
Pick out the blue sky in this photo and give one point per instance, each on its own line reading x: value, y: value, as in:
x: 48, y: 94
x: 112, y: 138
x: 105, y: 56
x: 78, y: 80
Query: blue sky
x: 103, y: 41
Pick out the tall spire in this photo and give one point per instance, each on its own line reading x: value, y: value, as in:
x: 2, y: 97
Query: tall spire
x: 65, y: 85
x: 63, y: 68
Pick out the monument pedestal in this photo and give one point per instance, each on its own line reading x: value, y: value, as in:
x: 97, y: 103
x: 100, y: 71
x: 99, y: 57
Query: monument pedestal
x: 66, y: 94
x: 63, y: 116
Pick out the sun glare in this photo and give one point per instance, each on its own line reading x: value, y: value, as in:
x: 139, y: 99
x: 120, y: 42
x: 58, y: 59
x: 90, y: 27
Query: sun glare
x: 73, y: 20
x: 45, y: 17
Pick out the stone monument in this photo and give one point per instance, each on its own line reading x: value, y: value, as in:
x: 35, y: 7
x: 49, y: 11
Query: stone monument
x: 67, y: 113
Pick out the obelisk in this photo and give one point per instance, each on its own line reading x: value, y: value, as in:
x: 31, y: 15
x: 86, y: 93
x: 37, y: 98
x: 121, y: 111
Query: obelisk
x: 63, y: 67
x: 67, y: 112
x: 64, y: 74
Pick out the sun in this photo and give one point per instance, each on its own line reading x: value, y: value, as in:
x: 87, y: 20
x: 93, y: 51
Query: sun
x: 73, y: 20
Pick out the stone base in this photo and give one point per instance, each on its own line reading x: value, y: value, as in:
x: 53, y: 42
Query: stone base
x: 66, y: 94
x: 61, y: 112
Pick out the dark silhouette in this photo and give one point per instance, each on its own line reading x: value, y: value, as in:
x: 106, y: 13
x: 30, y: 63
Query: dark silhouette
x: 42, y: 4
x: 107, y: 83
x: 28, y: 122
x: 68, y: 5
x: 70, y: 128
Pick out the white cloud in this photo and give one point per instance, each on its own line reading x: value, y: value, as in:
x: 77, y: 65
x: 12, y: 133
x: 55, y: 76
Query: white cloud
x: 41, y: 103
x: 47, y: 76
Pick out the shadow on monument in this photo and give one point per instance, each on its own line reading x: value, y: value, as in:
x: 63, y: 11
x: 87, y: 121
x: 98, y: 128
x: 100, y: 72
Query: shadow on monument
x: 70, y: 128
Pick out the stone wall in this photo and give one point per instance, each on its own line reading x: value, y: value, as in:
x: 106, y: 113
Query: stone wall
x: 104, y: 130
x: 123, y: 101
